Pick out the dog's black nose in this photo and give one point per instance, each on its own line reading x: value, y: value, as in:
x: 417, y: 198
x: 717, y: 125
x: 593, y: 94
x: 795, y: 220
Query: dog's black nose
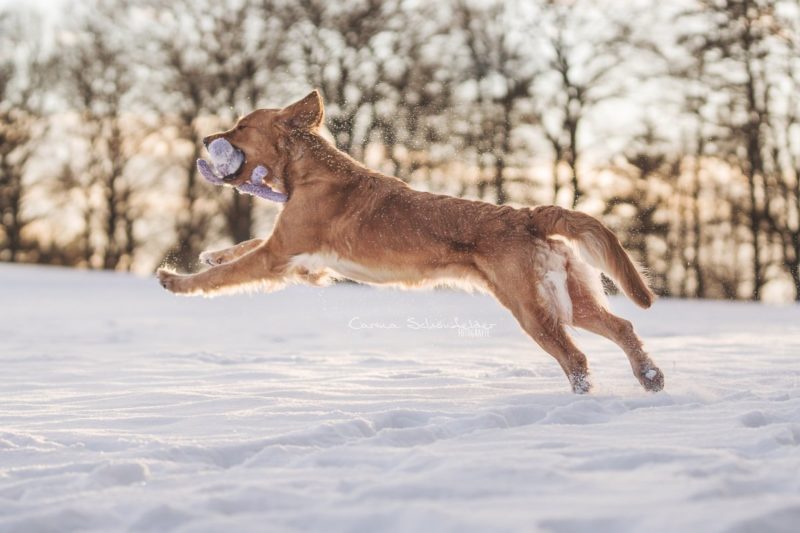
x: 207, y: 141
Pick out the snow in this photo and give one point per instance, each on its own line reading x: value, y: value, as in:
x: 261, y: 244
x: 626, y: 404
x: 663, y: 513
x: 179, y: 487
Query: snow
x: 350, y: 408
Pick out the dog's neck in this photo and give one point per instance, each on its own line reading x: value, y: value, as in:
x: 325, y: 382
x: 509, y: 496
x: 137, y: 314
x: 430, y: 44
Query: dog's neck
x: 314, y: 159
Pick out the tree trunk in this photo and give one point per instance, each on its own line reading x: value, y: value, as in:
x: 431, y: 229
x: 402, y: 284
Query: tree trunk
x: 240, y: 217
x: 699, y: 276
x: 681, y: 245
x: 558, y: 157
x: 111, y: 252
x: 755, y: 231
x: 755, y: 165
x: 14, y: 230
x: 503, y: 150
x: 499, y: 189
x: 572, y: 160
x: 189, y: 225
x: 87, y: 250
x: 794, y: 271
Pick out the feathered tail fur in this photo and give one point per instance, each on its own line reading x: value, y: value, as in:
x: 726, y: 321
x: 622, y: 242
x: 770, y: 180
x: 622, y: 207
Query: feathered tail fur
x: 598, y: 245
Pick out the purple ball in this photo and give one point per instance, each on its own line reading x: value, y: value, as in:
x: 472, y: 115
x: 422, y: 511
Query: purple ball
x: 227, y: 159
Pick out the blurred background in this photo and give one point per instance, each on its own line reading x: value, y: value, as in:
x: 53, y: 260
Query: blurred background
x: 677, y: 123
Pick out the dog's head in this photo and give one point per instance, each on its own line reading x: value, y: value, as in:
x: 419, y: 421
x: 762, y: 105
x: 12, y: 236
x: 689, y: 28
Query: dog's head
x: 264, y: 138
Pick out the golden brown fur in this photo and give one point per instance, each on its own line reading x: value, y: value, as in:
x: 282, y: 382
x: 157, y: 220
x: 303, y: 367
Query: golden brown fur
x: 343, y: 219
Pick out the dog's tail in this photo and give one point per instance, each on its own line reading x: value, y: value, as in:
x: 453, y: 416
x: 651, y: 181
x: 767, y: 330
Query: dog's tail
x: 598, y: 245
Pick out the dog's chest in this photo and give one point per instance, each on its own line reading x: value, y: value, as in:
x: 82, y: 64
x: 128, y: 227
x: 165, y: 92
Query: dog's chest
x: 319, y: 262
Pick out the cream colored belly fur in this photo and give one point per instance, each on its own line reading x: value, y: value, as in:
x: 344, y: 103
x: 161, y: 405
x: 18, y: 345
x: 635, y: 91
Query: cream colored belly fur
x: 344, y: 268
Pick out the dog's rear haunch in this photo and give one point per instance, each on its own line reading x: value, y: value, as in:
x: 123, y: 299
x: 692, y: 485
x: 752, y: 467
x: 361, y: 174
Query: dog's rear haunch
x: 347, y: 221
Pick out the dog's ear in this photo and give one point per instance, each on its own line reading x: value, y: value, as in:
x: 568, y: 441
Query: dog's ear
x: 307, y: 113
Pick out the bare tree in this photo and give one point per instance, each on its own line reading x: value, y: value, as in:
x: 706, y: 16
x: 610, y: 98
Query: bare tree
x: 413, y: 102
x: 501, y: 68
x: 97, y: 78
x: 585, y: 47
x: 642, y: 207
x: 697, y: 154
x: 735, y: 43
x: 21, y: 123
x: 783, y: 109
x: 338, y: 48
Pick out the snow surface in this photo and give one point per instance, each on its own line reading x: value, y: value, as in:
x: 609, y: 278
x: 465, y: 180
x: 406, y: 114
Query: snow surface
x: 124, y: 407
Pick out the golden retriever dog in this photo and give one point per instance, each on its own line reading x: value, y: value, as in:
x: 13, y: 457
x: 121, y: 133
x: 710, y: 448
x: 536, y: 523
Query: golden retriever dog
x: 347, y: 221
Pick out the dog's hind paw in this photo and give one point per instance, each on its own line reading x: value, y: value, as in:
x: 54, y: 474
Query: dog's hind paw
x: 651, y: 378
x: 581, y: 384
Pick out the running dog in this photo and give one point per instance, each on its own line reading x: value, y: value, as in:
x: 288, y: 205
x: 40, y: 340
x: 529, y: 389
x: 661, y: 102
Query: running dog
x: 343, y: 220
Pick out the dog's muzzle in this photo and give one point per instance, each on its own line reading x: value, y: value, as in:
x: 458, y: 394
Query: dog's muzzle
x: 226, y: 163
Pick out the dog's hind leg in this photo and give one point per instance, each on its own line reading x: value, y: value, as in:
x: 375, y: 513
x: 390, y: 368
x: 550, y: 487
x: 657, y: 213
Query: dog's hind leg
x: 537, y: 319
x: 590, y: 313
x: 552, y: 337
x: 550, y: 334
x: 227, y: 255
x: 262, y: 268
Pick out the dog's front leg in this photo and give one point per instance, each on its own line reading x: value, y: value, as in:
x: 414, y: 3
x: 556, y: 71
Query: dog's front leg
x: 230, y: 254
x: 265, y: 266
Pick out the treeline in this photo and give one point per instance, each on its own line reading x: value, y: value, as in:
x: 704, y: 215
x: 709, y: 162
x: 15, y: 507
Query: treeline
x: 677, y: 122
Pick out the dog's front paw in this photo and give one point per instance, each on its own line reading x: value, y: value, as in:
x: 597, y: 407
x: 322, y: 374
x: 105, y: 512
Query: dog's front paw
x: 171, y: 281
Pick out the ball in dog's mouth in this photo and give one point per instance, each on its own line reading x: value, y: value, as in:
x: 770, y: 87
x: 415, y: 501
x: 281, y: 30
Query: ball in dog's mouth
x: 227, y: 159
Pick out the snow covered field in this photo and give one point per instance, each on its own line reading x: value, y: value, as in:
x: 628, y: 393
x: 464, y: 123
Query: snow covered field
x: 124, y: 407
